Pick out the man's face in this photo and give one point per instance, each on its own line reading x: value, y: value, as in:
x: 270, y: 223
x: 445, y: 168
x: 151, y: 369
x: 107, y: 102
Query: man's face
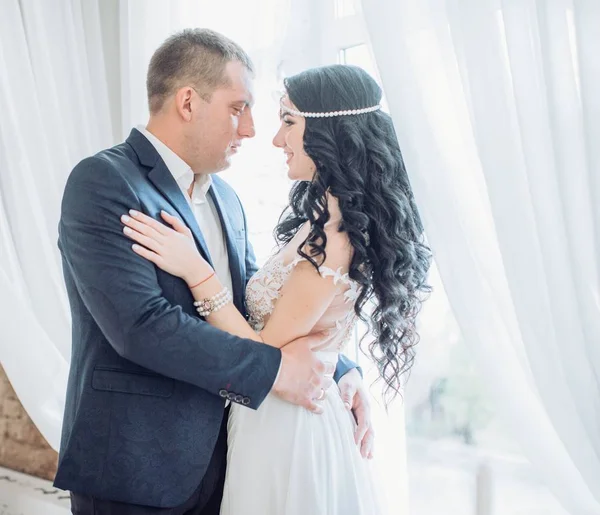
x: 218, y: 126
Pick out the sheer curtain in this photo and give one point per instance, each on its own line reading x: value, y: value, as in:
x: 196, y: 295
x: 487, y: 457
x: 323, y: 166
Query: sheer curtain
x: 496, y: 108
x: 54, y: 112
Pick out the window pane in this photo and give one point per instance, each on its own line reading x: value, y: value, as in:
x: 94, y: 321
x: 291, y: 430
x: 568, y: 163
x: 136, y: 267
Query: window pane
x: 358, y: 56
x: 345, y: 8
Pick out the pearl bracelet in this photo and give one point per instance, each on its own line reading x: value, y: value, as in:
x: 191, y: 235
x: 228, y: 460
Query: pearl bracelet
x: 207, y: 306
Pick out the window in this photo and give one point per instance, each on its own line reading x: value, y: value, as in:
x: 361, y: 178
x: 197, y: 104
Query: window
x: 345, y: 8
x: 357, y: 55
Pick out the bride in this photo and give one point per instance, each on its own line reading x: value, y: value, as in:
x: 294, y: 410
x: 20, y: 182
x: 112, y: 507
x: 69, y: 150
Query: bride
x: 351, y: 247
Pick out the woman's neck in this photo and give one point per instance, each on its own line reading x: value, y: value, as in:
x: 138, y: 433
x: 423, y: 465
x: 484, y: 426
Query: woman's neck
x: 333, y: 206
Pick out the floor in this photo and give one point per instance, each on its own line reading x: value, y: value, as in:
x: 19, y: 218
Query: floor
x: 441, y: 477
x: 26, y: 495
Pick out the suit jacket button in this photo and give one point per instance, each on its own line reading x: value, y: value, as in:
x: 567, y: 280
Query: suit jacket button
x: 239, y: 398
x: 246, y: 401
x: 223, y: 393
x: 231, y: 396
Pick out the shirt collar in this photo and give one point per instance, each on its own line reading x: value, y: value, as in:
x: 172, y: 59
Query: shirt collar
x: 202, y: 184
x: 180, y: 170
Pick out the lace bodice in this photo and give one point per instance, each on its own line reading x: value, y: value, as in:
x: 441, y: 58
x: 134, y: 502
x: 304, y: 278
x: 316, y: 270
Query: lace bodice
x: 339, y: 319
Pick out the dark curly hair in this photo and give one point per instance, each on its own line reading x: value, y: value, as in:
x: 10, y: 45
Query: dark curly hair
x: 359, y: 162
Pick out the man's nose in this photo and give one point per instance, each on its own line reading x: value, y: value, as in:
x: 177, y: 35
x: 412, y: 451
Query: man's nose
x: 246, y: 126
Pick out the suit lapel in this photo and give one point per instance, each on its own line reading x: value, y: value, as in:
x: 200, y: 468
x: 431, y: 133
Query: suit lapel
x: 166, y: 184
x: 232, y: 251
x: 163, y: 180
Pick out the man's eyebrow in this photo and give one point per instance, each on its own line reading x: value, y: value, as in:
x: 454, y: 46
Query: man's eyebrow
x: 246, y: 102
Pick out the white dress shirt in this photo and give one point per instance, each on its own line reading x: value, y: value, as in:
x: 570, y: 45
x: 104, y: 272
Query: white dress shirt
x: 201, y: 204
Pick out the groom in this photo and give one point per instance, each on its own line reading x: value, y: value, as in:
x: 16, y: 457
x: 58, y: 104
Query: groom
x: 144, y: 428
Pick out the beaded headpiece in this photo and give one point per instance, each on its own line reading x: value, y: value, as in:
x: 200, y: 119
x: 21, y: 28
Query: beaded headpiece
x: 349, y: 112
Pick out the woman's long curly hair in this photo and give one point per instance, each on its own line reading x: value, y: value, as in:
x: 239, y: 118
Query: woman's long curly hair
x: 359, y: 162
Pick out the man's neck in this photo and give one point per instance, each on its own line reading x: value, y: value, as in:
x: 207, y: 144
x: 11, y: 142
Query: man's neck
x: 166, y: 135
x: 169, y: 136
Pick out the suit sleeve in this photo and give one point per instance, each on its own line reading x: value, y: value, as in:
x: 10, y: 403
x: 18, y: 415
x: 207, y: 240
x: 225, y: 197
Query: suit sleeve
x: 121, y: 292
x: 344, y: 365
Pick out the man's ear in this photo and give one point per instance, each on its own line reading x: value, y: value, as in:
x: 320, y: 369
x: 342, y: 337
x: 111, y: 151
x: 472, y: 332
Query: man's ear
x: 184, y: 102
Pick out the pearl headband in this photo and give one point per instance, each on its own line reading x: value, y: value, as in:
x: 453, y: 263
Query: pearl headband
x: 349, y: 112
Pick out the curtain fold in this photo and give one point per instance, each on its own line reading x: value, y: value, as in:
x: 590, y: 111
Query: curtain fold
x: 496, y: 112
x: 53, y: 100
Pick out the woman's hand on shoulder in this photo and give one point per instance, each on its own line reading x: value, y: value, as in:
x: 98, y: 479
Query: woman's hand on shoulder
x: 172, y: 249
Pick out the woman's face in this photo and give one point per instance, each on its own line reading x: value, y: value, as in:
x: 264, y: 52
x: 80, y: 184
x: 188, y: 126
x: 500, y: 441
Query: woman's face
x: 290, y: 138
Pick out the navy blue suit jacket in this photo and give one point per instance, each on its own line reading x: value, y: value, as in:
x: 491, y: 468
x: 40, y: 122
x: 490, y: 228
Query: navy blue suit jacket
x: 148, y: 378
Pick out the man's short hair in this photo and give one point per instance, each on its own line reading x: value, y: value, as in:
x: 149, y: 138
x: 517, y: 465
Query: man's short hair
x: 192, y: 57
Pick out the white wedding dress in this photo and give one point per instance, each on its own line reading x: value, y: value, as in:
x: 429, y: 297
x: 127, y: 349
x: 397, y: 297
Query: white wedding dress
x: 283, y: 459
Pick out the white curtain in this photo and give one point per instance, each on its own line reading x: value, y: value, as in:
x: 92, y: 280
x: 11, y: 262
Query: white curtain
x: 497, y: 111
x: 54, y: 112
